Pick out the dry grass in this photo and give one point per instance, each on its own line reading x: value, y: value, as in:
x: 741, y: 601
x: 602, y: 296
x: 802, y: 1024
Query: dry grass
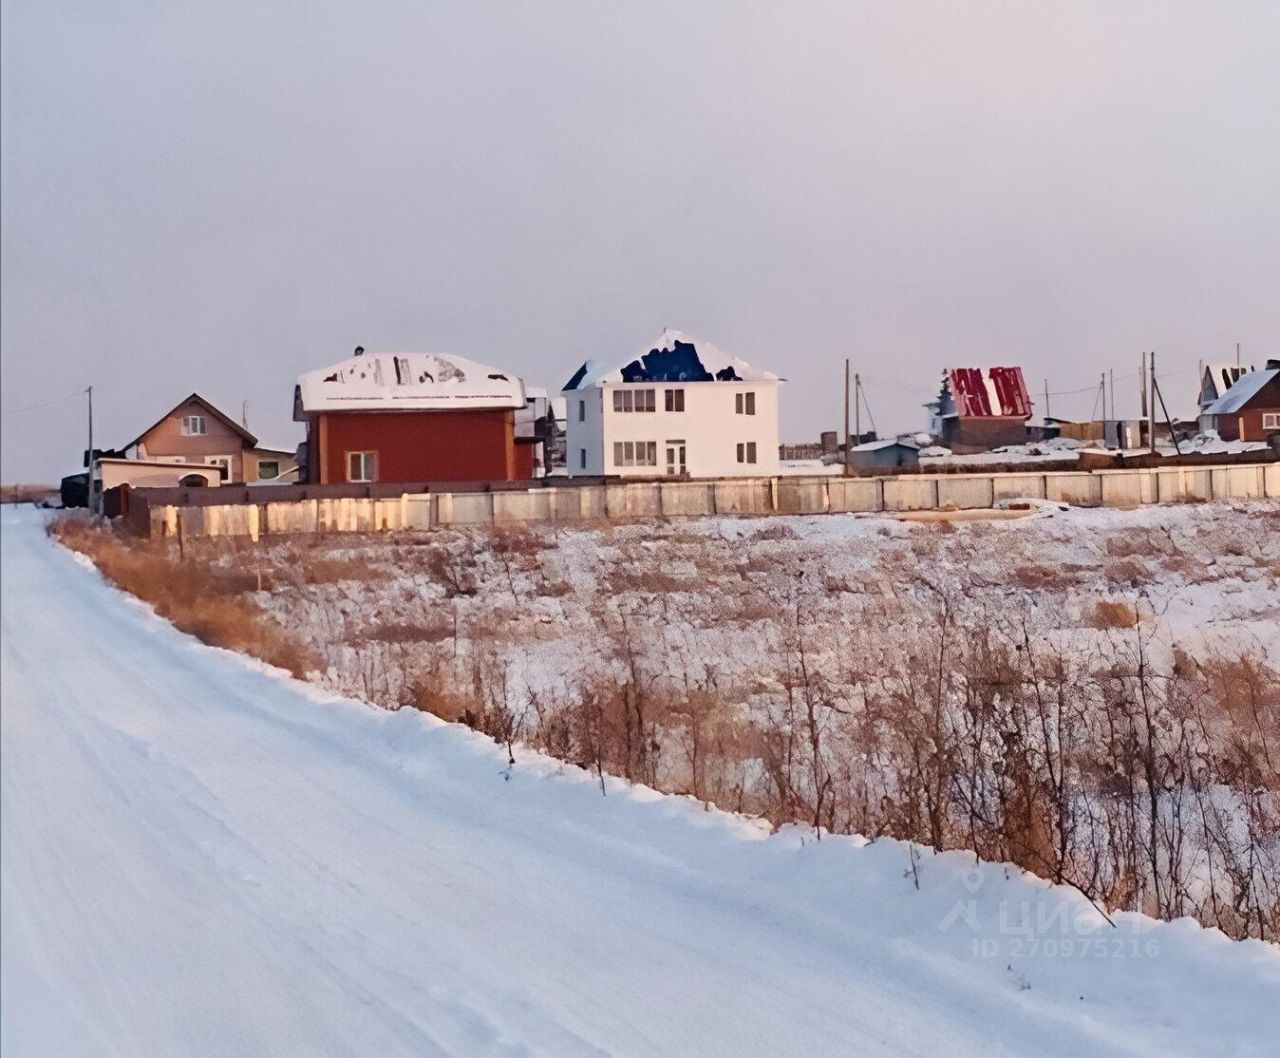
x: 406, y: 632
x: 1114, y: 613
x: 27, y: 493
x: 333, y: 569
x: 208, y: 602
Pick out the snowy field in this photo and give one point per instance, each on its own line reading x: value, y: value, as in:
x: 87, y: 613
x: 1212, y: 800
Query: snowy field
x: 203, y: 857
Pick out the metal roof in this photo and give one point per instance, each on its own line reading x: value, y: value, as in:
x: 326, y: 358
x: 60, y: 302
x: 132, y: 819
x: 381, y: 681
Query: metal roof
x: 674, y: 357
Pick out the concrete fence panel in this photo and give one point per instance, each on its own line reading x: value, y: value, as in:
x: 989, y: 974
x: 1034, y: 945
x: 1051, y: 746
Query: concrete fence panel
x: 593, y: 501
x: 466, y: 508
x: 803, y: 496
x: 1240, y: 483
x: 687, y: 498
x: 1017, y: 487
x: 855, y: 495
x: 748, y: 496
x: 641, y: 499
x: 1124, y: 488
x: 1082, y: 489
x: 910, y: 493
x: 966, y: 493
x: 1271, y: 480
x: 418, y: 509
x: 514, y: 507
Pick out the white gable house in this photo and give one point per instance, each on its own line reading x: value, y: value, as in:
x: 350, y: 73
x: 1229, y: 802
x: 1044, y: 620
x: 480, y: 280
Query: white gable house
x: 680, y: 408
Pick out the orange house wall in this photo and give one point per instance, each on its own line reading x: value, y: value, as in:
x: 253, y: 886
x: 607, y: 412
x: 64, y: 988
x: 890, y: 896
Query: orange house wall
x: 467, y: 445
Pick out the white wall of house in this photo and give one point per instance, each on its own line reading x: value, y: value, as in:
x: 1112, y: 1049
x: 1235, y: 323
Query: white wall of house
x: 710, y: 430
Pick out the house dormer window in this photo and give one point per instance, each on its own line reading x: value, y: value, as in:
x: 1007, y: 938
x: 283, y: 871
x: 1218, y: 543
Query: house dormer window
x: 193, y: 426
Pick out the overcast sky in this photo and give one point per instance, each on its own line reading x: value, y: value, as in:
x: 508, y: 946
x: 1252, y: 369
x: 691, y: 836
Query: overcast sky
x: 220, y: 196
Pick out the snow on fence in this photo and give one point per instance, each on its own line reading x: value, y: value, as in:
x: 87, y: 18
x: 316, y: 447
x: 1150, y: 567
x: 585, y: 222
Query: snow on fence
x: 671, y: 499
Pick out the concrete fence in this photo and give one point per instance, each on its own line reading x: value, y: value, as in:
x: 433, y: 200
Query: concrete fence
x: 684, y: 499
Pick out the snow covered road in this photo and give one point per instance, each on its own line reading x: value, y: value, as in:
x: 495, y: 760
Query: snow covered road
x: 201, y: 857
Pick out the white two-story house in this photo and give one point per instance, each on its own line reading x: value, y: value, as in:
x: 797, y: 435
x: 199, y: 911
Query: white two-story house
x: 681, y: 408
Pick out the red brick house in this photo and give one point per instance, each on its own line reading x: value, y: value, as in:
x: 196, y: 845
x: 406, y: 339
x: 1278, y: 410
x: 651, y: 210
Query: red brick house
x: 1250, y: 409
x: 981, y: 408
x: 411, y: 417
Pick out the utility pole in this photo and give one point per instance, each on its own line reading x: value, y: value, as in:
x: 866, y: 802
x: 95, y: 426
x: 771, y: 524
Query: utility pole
x: 857, y: 407
x: 1045, y: 416
x: 1112, y: 374
x: 1151, y: 409
x: 1155, y: 386
x: 1237, y: 354
x: 89, y: 497
x: 846, y: 416
x: 1142, y: 393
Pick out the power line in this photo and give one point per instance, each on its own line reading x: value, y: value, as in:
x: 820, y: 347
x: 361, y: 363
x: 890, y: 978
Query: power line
x: 48, y: 403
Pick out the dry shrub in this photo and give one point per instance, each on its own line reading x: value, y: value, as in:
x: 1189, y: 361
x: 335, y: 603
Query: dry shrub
x: 1114, y: 613
x: 1038, y: 576
x: 406, y: 632
x: 518, y: 544
x: 1127, y: 571
x: 436, y: 694
x: 333, y: 569
x: 456, y: 573
x: 646, y: 581
x: 206, y: 602
x: 757, y: 563
x: 775, y: 532
x: 27, y: 493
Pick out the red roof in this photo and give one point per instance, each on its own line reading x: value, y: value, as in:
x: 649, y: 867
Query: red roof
x: 987, y: 392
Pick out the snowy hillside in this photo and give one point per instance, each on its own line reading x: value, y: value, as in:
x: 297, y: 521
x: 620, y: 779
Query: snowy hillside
x: 201, y: 857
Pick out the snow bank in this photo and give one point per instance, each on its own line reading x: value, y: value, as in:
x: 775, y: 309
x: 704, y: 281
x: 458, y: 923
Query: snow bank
x: 203, y: 857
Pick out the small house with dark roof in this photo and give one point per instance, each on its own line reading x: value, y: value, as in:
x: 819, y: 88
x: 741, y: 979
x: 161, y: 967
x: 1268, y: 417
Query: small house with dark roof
x: 680, y: 408
x: 1250, y: 409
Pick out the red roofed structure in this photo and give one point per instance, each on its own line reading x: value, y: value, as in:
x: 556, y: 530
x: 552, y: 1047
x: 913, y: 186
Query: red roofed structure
x: 981, y: 408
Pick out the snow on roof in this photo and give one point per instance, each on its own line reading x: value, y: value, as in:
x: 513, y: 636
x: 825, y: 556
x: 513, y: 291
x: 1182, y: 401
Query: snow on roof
x: 1244, y: 390
x: 407, y: 382
x: 982, y: 392
x: 674, y: 357
x: 873, y: 446
x: 1218, y: 378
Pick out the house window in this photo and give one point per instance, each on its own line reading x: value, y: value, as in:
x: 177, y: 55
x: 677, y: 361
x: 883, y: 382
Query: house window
x: 362, y: 466
x: 674, y: 399
x: 635, y: 453
x: 1271, y: 420
x: 193, y: 426
x: 222, y: 462
x: 582, y: 459
x: 747, y: 452
x: 634, y: 400
x: 582, y: 411
x: 744, y: 403
x: 268, y: 469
